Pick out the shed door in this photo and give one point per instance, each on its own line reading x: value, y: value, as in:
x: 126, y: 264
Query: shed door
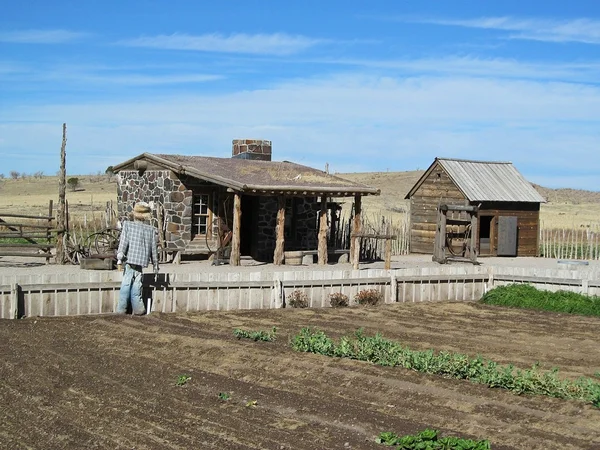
x: 507, y: 236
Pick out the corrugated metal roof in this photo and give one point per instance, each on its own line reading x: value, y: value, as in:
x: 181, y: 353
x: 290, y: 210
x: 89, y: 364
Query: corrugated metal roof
x: 490, y: 181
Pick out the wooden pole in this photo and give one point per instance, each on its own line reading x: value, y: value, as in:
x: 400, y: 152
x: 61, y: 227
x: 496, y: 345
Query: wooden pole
x: 355, y: 249
x: 61, y: 219
x: 48, y: 234
x: 474, y: 232
x: 388, y: 254
x: 279, y: 232
x: 322, y: 247
x: 234, y: 258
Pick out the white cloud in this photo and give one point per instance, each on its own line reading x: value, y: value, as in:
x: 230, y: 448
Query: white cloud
x: 268, y: 44
x: 40, y: 36
x: 485, y: 67
x: 578, y: 30
x: 374, y: 123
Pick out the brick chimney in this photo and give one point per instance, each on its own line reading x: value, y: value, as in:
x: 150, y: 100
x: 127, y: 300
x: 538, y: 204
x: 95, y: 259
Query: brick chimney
x: 256, y: 149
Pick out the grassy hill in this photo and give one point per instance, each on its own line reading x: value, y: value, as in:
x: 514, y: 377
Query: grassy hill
x: 566, y: 208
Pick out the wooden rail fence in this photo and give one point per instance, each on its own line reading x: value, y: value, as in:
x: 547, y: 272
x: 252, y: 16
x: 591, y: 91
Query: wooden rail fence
x: 97, y: 292
x: 29, y: 236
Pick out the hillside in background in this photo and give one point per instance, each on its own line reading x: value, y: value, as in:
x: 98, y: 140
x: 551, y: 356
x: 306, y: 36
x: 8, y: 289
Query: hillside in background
x: 566, y: 208
x: 397, y: 184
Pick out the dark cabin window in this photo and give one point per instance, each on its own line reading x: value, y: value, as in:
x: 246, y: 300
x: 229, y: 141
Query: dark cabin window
x: 202, y: 214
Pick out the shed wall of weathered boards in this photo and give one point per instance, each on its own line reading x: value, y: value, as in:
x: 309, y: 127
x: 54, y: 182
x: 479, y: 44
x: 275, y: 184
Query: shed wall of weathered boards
x: 438, y: 188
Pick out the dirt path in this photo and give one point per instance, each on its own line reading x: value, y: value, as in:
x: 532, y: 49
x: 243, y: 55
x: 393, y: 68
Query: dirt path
x: 110, y: 382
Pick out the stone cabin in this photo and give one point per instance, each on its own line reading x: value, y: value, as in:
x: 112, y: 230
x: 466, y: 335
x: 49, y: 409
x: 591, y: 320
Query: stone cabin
x: 248, y: 203
x: 508, y: 217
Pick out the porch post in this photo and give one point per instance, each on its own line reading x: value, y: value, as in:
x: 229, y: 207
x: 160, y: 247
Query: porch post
x: 355, y: 242
x: 234, y: 257
x: 279, y: 232
x: 322, y: 249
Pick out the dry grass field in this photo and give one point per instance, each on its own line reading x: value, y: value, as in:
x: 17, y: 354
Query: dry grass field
x: 566, y: 208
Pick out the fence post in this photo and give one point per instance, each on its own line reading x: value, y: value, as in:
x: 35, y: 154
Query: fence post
x: 490, y: 282
x: 393, y: 288
x: 585, y: 287
x: 277, y: 294
x: 14, y: 300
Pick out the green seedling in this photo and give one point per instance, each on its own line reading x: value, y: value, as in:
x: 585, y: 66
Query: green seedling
x: 252, y: 404
x: 224, y: 396
x: 182, y: 380
x: 378, y: 350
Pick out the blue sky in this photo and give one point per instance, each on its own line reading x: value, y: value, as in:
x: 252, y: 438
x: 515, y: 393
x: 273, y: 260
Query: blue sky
x: 362, y: 86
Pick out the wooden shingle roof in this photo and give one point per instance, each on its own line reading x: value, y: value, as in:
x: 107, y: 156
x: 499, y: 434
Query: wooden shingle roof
x: 485, y: 181
x: 252, y: 176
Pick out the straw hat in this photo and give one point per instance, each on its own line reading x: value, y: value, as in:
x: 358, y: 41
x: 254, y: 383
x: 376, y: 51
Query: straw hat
x: 142, y: 211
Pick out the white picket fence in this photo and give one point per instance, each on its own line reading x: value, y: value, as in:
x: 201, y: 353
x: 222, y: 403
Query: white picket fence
x: 96, y: 292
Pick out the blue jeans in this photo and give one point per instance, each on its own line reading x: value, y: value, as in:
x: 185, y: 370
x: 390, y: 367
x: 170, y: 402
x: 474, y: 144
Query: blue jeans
x: 131, y: 289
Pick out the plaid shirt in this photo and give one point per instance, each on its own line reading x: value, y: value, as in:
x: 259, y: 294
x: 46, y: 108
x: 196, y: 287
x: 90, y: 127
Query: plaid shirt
x: 138, y: 243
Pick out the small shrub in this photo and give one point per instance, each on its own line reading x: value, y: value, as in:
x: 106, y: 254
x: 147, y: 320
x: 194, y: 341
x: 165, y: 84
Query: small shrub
x: 297, y: 299
x: 338, y: 300
x: 368, y: 297
x: 182, y: 380
x: 268, y: 336
x: 73, y: 183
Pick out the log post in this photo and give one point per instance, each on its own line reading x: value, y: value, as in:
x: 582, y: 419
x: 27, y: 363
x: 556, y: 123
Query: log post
x: 61, y: 219
x: 234, y: 258
x: 388, y: 253
x: 322, y: 247
x: 279, y: 232
x: 355, y: 249
x: 474, y: 233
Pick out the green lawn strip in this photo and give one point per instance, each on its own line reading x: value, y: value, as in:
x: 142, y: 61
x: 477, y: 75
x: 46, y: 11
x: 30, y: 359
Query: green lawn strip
x: 527, y: 296
x: 384, y: 352
x: 259, y: 335
x: 429, y: 439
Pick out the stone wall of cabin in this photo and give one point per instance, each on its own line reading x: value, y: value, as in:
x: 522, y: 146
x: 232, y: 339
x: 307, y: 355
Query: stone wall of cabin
x: 303, y: 229
x: 160, y: 187
x: 176, y: 195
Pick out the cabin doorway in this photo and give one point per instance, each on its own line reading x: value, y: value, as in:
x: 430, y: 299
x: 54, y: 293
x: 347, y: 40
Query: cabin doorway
x: 249, y: 223
x: 485, y: 235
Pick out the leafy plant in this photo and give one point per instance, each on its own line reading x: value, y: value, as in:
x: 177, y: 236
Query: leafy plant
x: 368, y: 297
x: 384, y: 352
x: 182, y: 380
x: 297, y: 299
x: 338, y: 300
x: 268, y: 336
x: 429, y: 439
x: 252, y: 404
x: 224, y: 396
x: 527, y: 296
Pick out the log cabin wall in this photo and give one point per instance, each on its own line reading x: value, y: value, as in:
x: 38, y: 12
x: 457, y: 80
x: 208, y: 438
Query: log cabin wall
x: 436, y: 189
x: 528, y: 220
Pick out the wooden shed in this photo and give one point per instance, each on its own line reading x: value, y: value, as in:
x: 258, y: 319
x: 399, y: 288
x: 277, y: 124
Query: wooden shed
x: 257, y: 206
x: 508, y: 206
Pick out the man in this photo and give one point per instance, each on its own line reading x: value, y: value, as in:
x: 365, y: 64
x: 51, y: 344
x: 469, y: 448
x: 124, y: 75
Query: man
x: 137, y: 246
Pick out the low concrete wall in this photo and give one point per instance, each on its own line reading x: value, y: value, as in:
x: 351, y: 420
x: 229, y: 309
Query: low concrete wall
x: 90, y: 292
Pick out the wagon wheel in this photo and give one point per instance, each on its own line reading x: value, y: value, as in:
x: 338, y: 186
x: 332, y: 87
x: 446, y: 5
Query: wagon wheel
x: 106, y: 241
x: 74, y: 251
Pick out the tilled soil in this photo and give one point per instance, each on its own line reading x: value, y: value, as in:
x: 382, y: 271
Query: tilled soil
x: 110, y: 381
